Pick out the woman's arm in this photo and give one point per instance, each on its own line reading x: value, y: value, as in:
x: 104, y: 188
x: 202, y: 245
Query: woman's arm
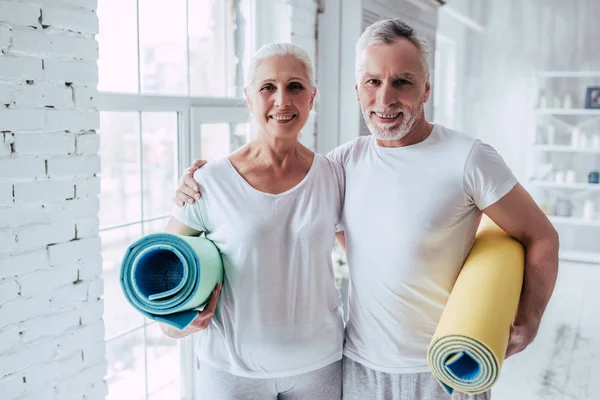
x: 199, y: 323
x: 341, y: 239
x: 179, y: 228
x: 176, y: 227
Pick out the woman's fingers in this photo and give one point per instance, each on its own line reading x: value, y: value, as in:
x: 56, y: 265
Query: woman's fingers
x: 203, y: 319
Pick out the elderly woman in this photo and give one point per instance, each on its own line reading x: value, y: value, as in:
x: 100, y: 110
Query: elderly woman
x: 272, y: 208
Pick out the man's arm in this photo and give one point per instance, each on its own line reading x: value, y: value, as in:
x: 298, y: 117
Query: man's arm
x: 189, y: 190
x: 519, y: 216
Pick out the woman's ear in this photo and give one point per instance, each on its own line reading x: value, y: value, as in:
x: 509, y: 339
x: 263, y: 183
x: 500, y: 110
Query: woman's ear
x: 248, y: 101
x: 312, y: 98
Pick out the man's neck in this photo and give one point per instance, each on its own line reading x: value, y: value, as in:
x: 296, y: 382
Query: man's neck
x: 417, y: 134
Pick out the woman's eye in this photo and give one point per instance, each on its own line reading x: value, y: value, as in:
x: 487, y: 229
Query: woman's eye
x: 267, y: 88
x: 296, y: 86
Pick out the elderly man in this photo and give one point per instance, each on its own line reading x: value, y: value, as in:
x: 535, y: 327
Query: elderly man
x: 415, y: 193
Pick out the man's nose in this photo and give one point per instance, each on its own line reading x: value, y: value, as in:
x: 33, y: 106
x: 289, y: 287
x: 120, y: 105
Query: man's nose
x: 386, y: 96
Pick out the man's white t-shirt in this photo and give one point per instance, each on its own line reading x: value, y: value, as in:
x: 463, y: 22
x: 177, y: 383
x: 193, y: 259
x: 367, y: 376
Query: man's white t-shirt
x: 410, y: 218
x: 279, y: 313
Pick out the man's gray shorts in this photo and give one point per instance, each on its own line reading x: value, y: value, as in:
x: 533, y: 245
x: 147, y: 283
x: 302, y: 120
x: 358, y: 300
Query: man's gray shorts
x: 362, y: 383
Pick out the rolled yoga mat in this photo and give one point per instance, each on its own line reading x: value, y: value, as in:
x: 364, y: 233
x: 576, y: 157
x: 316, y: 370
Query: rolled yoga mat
x: 168, y: 277
x: 469, y: 344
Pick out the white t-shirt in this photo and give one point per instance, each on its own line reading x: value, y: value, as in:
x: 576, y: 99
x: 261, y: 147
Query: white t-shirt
x: 410, y: 219
x: 279, y: 313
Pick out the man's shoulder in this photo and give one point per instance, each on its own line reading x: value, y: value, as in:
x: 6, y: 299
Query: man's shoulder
x: 452, y: 135
x: 341, y: 153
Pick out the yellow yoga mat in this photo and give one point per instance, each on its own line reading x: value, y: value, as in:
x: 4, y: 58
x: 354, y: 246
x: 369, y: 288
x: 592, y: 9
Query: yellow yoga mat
x: 469, y: 344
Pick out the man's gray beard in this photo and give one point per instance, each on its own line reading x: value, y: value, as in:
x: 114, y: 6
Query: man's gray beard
x: 396, y: 133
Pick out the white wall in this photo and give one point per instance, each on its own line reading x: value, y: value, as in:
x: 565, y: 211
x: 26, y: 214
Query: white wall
x: 498, y: 90
x: 51, y: 329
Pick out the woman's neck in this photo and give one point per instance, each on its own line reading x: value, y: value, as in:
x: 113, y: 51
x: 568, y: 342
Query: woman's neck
x: 277, y: 151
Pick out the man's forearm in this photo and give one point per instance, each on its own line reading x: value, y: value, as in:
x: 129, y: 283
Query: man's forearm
x: 541, y: 269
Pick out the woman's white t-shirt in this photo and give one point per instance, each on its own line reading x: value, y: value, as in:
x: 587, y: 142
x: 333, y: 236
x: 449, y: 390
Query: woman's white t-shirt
x: 279, y: 313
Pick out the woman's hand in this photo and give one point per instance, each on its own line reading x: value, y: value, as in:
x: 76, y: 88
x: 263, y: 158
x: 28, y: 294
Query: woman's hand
x: 199, y: 323
x: 202, y: 321
x: 188, y: 190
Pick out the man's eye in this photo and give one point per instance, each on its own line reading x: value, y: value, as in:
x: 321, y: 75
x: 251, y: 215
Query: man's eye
x: 372, y: 82
x: 402, y: 82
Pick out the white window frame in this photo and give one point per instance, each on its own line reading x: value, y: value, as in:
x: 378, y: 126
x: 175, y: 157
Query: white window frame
x: 192, y: 113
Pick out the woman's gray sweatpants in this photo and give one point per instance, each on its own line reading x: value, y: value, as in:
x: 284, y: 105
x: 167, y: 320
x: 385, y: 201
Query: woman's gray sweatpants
x: 322, y: 384
x: 362, y: 383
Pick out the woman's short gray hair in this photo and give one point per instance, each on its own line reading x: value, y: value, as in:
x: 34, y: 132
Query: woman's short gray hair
x: 280, y: 49
x: 388, y: 31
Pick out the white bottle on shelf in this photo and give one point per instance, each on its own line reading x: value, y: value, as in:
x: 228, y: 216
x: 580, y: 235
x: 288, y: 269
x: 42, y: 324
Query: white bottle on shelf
x: 588, y: 210
x: 575, y: 137
x: 568, y: 101
x: 543, y: 101
x: 583, y: 141
x: 556, y: 103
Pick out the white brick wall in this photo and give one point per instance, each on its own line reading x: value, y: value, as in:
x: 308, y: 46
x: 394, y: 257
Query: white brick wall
x: 51, y: 329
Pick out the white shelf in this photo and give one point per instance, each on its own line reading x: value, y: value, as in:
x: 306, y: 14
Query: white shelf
x: 573, y: 221
x: 569, y: 74
x: 581, y: 256
x: 567, y: 111
x: 565, y: 149
x: 574, y: 186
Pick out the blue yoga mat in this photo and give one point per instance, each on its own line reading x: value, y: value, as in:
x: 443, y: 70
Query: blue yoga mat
x: 169, y: 277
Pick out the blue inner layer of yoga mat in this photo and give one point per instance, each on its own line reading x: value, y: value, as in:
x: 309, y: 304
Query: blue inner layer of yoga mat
x: 161, y: 275
x: 464, y: 368
x: 464, y: 363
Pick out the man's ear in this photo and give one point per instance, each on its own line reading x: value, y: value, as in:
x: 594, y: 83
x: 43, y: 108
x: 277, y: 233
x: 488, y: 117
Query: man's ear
x: 248, y: 101
x: 427, y: 90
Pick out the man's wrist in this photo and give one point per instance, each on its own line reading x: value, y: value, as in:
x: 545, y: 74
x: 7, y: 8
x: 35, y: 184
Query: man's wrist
x: 530, y: 321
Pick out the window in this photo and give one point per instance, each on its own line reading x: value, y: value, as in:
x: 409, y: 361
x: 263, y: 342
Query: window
x: 170, y: 81
x: 179, y: 47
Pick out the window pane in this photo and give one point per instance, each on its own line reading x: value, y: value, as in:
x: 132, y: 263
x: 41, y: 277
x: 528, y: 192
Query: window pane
x: 120, y: 193
x: 119, y: 315
x: 170, y: 392
x: 214, y: 28
x: 239, y: 135
x: 163, y: 362
x: 159, y: 135
x: 117, y: 42
x: 157, y: 225
x: 214, y: 141
x: 126, y: 377
x: 163, y: 47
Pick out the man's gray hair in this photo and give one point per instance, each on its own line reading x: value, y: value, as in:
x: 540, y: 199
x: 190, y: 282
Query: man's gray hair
x: 388, y: 31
